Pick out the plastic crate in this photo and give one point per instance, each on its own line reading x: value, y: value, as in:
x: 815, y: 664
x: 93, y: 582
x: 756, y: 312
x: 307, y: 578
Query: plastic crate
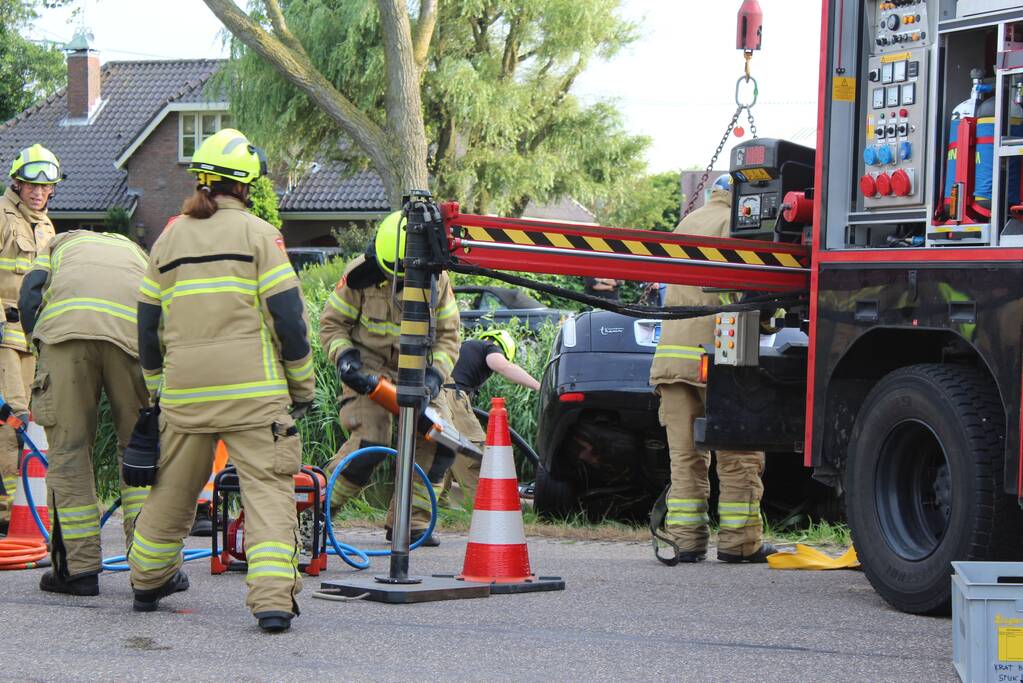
x: 987, y: 621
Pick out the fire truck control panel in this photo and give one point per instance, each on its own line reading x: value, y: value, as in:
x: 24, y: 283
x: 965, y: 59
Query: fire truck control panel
x: 764, y: 172
x: 895, y: 94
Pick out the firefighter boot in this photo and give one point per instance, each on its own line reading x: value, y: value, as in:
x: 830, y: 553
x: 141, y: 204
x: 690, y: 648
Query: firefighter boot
x: 430, y: 542
x: 83, y: 585
x: 149, y: 600
x: 274, y: 622
x: 759, y: 557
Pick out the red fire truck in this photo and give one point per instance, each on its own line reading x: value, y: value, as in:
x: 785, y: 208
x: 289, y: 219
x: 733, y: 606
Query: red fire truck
x: 899, y: 242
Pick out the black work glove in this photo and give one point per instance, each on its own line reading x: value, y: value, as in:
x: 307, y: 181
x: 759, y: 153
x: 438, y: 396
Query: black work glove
x: 433, y: 380
x: 11, y: 314
x: 348, y: 365
x: 143, y: 450
x: 348, y: 362
x: 299, y: 409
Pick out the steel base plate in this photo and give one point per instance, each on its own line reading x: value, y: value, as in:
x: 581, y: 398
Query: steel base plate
x: 536, y: 585
x: 429, y: 590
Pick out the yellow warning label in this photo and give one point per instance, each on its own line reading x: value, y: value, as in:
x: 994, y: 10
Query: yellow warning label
x: 843, y: 89
x: 888, y: 59
x: 1010, y: 644
x: 870, y: 126
x: 755, y: 174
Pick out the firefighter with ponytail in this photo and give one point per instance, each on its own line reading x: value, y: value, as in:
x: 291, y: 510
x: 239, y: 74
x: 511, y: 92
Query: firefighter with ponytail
x: 223, y: 342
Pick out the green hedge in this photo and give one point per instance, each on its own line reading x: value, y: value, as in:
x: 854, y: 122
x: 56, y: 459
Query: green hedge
x: 321, y: 430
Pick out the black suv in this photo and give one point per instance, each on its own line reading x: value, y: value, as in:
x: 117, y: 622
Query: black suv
x: 598, y: 436
x: 603, y: 450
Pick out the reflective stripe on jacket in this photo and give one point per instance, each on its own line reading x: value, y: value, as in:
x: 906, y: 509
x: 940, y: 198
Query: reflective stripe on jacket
x: 90, y: 291
x: 677, y: 358
x: 23, y: 233
x: 223, y: 366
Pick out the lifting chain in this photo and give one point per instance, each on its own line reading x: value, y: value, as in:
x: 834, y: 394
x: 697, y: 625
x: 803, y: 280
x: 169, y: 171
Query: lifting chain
x: 739, y: 107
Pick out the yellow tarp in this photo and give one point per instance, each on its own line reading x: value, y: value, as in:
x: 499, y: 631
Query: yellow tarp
x: 806, y: 557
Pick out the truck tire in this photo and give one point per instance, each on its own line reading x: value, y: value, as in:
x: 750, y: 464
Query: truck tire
x: 554, y: 498
x: 924, y: 483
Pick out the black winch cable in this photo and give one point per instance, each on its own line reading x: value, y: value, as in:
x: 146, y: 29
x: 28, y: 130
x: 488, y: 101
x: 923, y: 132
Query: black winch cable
x: 758, y: 302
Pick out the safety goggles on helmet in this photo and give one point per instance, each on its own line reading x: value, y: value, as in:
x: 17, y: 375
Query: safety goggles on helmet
x: 36, y: 164
x: 39, y: 172
x: 504, y: 339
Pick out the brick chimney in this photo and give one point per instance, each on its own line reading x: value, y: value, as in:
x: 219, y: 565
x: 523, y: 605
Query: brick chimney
x: 82, y: 76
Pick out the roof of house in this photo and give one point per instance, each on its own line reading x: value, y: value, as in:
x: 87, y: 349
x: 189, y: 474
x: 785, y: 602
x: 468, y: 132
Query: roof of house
x: 136, y: 95
x: 133, y: 93
x: 328, y: 187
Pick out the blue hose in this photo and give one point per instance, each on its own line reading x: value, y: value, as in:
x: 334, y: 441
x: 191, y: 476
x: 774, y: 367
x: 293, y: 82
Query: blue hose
x: 343, y: 550
x: 112, y: 564
x: 347, y: 552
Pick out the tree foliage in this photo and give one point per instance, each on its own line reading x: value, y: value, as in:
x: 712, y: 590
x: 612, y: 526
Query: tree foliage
x: 263, y: 198
x: 501, y: 124
x: 118, y: 220
x: 28, y: 70
x: 652, y: 202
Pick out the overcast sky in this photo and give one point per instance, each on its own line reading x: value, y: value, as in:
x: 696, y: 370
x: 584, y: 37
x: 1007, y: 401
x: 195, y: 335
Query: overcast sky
x: 676, y: 84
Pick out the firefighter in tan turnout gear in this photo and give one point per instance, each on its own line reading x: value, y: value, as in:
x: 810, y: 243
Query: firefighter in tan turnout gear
x: 78, y: 305
x: 675, y: 374
x: 223, y: 330
x: 24, y: 230
x: 359, y: 329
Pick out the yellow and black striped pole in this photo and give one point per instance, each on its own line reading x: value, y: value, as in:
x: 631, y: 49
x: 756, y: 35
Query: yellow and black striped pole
x: 422, y: 217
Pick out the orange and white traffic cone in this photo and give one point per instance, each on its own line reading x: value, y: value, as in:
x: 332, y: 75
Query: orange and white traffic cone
x: 497, y: 552
x: 25, y: 545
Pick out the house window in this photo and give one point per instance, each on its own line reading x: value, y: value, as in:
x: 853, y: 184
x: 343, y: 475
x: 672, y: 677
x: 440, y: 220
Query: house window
x: 194, y: 127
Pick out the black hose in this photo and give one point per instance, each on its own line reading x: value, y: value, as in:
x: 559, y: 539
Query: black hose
x: 759, y: 302
x: 517, y: 439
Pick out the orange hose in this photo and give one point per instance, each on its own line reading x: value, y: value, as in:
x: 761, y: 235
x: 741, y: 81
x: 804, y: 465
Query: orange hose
x: 18, y: 553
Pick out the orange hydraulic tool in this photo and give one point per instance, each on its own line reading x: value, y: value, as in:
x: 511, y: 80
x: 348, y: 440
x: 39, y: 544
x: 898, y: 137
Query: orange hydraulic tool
x: 431, y: 426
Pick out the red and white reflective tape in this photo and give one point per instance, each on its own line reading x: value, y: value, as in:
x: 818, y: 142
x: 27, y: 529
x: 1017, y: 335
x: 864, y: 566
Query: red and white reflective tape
x: 491, y: 527
x: 498, y: 463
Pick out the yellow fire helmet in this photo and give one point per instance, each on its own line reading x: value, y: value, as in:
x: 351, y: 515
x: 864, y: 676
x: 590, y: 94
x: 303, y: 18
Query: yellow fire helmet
x: 227, y: 155
x: 38, y: 165
x: 504, y: 339
x: 389, y: 243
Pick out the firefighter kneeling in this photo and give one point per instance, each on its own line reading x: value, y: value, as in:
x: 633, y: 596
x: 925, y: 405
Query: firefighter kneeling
x: 359, y: 329
x: 675, y: 374
x: 222, y: 319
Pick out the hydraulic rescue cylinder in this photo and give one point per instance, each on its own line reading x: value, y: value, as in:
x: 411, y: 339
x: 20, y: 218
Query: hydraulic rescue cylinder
x: 422, y: 216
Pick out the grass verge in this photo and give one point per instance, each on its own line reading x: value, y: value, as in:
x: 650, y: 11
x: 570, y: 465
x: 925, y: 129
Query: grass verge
x: 361, y: 514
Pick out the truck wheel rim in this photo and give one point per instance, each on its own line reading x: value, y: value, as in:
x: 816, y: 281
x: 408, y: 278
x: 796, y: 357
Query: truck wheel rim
x: 913, y: 490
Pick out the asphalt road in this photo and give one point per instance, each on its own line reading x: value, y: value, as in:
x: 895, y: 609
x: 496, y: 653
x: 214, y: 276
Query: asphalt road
x: 623, y: 616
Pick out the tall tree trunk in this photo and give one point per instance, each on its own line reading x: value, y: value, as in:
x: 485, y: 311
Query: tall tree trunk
x: 405, y: 127
x: 397, y: 151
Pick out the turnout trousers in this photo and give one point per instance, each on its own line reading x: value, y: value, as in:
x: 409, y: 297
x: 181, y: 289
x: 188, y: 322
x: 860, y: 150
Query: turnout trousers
x: 267, y: 458
x: 71, y: 377
x: 369, y: 424
x: 465, y: 470
x: 738, y: 472
x: 16, y: 371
